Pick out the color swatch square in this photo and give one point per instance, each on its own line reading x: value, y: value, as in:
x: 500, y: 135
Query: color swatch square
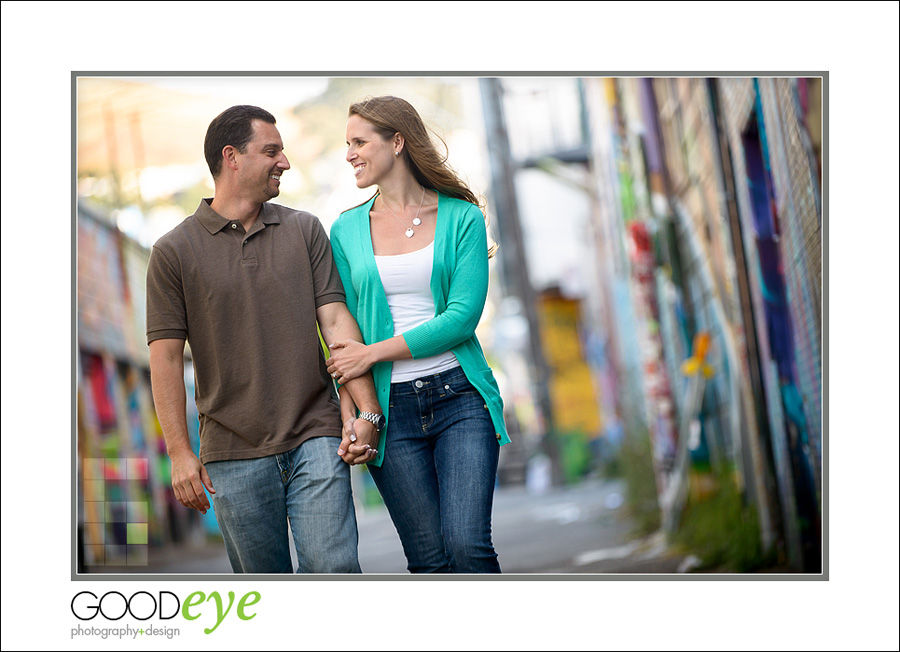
x: 137, y: 555
x: 136, y: 468
x: 113, y: 469
x: 138, y: 512
x: 94, y: 512
x: 137, y: 533
x: 94, y: 490
x: 116, y: 512
x: 115, y: 555
x: 93, y: 468
x: 94, y: 555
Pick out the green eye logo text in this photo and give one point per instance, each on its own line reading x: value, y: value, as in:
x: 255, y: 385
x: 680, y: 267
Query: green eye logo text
x: 142, y: 605
x: 220, y: 616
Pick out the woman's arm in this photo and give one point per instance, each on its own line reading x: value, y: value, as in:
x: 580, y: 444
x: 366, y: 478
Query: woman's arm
x: 453, y: 325
x: 466, y: 294
x: 350, y: 359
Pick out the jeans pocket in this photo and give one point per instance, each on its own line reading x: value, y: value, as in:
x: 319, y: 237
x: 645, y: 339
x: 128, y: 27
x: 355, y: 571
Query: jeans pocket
x: 460, y: 387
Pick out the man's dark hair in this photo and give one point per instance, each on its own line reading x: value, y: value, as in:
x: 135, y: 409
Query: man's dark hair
x: 233, y: 127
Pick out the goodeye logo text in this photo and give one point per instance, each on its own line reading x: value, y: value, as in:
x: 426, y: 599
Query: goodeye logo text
x: 143, y: 606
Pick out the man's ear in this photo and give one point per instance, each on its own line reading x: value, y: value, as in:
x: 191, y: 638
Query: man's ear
x: 229, y: 156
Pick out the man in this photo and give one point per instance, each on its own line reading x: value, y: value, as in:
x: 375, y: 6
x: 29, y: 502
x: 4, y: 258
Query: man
x: 246, y: 283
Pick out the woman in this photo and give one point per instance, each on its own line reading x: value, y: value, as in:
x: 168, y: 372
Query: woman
x: 414, y: 263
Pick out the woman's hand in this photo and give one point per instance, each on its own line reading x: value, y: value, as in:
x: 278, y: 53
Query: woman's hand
x: 349, y: 359
x: 357, y: 450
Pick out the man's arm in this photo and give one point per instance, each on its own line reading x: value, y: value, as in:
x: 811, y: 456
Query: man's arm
x: 336, y: 323
x: 189, y: 476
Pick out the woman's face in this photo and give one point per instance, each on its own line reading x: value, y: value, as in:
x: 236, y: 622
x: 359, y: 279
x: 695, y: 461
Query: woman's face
x: 371, y: 156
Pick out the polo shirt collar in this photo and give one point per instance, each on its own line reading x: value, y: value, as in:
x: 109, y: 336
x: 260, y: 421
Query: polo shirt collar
x: 215, y: 222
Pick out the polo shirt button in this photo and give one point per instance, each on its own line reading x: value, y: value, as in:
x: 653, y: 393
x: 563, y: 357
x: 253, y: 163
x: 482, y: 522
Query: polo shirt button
x: 233, y: 225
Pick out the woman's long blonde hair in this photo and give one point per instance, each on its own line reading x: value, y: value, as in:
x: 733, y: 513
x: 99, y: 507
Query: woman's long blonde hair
x: 390, y: 115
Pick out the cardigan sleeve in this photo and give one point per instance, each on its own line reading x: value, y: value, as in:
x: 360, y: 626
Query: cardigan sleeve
x: 465, y: 296
x: 343, y: 267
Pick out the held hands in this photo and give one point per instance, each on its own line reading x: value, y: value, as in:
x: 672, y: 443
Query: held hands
x: 349, y: 359
x: 189, y: 477
x: 358, y: 442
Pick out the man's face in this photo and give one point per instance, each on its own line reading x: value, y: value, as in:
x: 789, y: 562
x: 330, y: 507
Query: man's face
x: 263, y: 162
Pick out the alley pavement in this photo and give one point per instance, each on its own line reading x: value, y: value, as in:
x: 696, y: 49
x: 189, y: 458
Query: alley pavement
x: 579, y: 529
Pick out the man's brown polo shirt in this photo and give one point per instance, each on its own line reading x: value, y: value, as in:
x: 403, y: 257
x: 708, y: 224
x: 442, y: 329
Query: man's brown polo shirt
x: 246, y: 303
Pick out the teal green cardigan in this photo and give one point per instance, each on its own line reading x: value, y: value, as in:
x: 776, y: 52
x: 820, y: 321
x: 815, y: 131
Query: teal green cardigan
x: 459, y: 283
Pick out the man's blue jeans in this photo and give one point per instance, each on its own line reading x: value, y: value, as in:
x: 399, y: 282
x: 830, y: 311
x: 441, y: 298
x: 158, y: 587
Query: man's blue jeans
x: 437, y: 477
x: 310, y: 485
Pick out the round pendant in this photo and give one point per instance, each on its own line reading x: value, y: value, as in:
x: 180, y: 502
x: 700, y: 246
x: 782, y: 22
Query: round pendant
x: 409, y: 233
x: 417, y: 222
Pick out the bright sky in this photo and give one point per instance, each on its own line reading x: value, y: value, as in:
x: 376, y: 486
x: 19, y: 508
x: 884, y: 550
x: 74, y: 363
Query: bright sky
x: 278, y: 93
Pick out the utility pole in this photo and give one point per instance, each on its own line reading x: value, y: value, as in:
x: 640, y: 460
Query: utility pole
x: 513, y: 261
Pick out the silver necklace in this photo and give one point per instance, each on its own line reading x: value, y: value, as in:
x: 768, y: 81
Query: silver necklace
x: 416, y: 221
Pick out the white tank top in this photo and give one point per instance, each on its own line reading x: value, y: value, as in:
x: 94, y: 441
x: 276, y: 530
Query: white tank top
x: 407, y: 282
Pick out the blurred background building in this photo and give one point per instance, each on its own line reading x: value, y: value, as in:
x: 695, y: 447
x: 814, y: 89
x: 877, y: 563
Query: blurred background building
x: 655, y: 310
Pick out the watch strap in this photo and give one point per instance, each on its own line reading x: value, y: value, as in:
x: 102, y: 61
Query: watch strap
x: 371, y: 417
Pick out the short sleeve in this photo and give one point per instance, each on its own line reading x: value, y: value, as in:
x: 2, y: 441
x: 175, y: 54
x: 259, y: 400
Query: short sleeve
x: 326, y: 280
x: 166, y: 312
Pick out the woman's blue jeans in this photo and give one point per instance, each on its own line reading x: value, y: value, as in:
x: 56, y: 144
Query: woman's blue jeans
x: 438, y: 474
x: 310, y: 486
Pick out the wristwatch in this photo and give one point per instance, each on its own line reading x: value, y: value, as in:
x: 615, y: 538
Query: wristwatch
x: 376, y: 420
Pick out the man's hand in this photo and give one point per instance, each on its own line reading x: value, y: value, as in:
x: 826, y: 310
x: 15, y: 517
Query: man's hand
x: 358, y: 442
x: 189, y: 477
